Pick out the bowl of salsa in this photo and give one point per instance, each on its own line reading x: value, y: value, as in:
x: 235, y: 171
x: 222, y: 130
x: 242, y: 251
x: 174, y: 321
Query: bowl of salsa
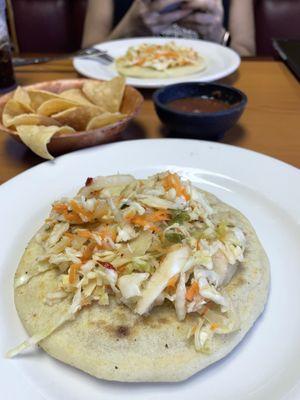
x: 199, y: 110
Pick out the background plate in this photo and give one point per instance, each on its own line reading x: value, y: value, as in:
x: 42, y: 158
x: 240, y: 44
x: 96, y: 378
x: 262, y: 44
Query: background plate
x: 221, y: 61
x: 266, y: 365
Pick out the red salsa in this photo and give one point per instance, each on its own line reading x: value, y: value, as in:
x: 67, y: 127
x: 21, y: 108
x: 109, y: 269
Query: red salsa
x: 198, y: 105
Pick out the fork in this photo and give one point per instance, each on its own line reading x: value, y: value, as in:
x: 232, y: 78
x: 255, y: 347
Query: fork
x: 90, y: 53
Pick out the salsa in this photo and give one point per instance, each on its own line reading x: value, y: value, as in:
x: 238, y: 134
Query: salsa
x: 198, y: 105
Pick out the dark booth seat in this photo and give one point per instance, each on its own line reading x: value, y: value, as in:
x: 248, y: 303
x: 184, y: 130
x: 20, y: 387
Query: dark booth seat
x: 275, y: 19
x: 50, y: 26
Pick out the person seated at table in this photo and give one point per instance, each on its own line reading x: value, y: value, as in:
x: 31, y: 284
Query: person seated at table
x: 204, y: 19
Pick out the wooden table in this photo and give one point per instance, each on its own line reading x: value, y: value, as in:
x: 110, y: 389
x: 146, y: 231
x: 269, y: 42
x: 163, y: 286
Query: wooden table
x: 270, y: 124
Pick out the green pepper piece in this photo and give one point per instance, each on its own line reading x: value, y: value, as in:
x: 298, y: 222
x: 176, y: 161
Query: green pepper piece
x: 174, y: 237
x: 179, y: 217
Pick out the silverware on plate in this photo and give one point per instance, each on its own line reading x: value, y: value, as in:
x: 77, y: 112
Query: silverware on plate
x: 90, y: 53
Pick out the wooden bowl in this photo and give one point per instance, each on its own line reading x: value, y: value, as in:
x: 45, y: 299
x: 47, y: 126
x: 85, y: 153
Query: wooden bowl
x: 60, y: 144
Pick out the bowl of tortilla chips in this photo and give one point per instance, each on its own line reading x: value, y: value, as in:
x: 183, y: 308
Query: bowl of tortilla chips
x: 60, y: 116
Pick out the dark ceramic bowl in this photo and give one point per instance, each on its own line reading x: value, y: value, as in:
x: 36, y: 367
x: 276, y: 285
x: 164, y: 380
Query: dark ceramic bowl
x: 204, y: 125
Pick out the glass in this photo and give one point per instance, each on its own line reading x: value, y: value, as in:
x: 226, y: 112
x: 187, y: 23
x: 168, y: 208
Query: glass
x: 7, y: 78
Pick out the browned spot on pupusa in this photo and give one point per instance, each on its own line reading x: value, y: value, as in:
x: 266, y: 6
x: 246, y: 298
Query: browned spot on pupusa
x: 122, y: 331
x: 241, y: 281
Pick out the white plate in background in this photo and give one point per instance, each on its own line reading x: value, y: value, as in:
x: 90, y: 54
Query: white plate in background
x: 220, y: 62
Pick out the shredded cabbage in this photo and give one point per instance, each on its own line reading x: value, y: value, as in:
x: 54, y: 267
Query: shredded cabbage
x: 116, y: 238
x: 180, y: 302
x: 130, y: 284
x: 159, y: 57
x: 172, y: 264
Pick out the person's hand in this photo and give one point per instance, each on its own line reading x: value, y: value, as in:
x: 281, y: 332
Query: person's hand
x: 206, y: 18
x: 157, y: 15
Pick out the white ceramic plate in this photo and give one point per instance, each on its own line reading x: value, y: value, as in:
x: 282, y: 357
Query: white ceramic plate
x: 221, y: 61
x: 266, y: 365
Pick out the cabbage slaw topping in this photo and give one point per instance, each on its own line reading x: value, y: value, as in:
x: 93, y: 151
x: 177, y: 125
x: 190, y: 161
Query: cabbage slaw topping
x: 144, y: 242
x: 159, y: 57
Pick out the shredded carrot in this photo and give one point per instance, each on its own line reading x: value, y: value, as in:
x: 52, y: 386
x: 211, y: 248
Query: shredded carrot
x: 73, y: 273
x: 139, y: 220
x: 147, y: 220
x: 140, y: 62
x: 108, y: 232
x: 142, y: 221
x: 173, y: 181
x: 172, y: 282
x: 159, y: 215
x: 168, y: 54
x: 150, y: 50
x: 60, y: 208
x: 84, y: 233
x: 73, y: 217
x: 214, y: 326
x: 122, y: 269
x: 198, y: 246
x: 80, y: 210
x: 192, y: 291
x: 69, y: 235
x: 129, y: 215
x: 88, y: 252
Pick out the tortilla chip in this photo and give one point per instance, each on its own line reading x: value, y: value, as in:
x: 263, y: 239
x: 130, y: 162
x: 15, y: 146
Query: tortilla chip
x: 15, y: 113
x: 38, y: 97
x: 11, y: 110
x: 32, y: 119
x: 104, y: 119
x: 77, y: 117
x: 55, y: 106
x: 76, y: 95
x: 22, y: 97
x: 37, y: 137
x: 107, y: 95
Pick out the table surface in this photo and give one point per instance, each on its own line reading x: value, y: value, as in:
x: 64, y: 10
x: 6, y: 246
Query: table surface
x: 269, y: 125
